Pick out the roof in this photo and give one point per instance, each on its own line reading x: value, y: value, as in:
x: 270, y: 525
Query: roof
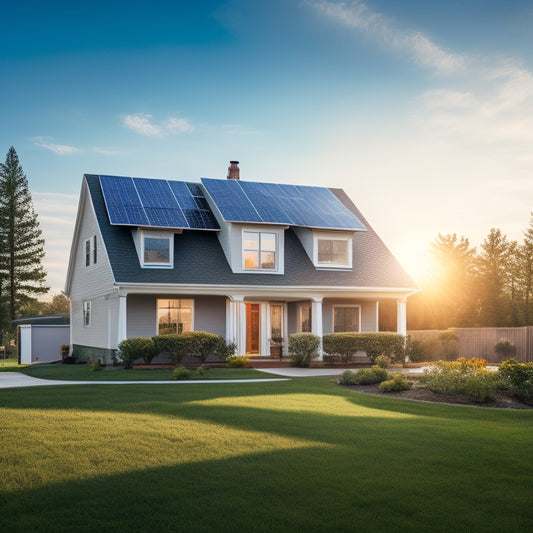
x: 199, y: 258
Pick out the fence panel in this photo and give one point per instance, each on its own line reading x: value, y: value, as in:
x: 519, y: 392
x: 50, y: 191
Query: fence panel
x: 476, y: 342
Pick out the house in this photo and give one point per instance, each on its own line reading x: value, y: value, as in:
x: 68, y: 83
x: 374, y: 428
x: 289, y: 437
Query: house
x: 246, y: 260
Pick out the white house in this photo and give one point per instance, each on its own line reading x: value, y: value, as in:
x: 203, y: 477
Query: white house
x: 249, y: 261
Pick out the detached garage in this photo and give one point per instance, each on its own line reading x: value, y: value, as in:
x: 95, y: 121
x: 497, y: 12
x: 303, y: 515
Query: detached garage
x: 39, y: 339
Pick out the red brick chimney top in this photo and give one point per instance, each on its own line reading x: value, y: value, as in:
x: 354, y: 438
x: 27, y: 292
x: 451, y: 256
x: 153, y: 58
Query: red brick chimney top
x: 233, y: 170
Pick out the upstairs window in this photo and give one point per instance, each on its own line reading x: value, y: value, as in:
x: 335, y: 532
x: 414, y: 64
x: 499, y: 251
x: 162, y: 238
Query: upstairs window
x: 259, y: 250
x: 333, y: 252
x: 91, y: 251
x: 156, y: 250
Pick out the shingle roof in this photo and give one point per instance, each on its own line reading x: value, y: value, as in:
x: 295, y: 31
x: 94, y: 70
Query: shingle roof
x: 199, y: 258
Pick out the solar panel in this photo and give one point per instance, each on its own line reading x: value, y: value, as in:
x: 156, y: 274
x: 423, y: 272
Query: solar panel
x: 272, y: 203
x: 156, y: 203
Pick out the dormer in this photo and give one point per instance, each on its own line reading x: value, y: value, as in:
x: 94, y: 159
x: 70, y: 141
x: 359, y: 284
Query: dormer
x: 328, y: 250
x: 155, y: 248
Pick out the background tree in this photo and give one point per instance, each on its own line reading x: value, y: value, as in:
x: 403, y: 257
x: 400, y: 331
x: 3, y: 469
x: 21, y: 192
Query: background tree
x: 496, y: 279
x: 445, y: 299
x: 525, y: 275
x: 22, y: 248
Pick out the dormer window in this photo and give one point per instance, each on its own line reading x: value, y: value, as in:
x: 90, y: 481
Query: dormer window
x: 154, y: 248
x: 259, y: 250
x: 333, y: 252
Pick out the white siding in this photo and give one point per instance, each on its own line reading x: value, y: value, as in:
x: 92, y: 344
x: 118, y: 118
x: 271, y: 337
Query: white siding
x: 97, y: 333
x: 93, y: 280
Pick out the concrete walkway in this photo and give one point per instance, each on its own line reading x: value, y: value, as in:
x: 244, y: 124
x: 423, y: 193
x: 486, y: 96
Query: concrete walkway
x: 16, y: 379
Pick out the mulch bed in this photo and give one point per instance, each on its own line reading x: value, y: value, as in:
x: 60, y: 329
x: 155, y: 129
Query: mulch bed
x: 417, y: 392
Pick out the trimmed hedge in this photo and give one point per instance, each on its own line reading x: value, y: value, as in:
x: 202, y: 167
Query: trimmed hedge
x: 346, y: 345
x: 303, y: 348
x: 136, y: 348
x: 364, y: 376
x: 519, y: 378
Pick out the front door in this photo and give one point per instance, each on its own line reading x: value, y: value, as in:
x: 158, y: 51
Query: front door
x: 252, y: 328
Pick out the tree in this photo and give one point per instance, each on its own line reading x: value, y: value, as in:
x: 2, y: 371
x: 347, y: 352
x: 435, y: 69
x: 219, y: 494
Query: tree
x: 22, y: 249
x: 496, y: 279
x: 525, y: 274
x: 445, y: 298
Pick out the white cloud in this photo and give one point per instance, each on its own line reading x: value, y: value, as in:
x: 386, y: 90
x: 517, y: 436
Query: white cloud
x: 59, y: 149
x: 423, y: 51
x: 142, y: 124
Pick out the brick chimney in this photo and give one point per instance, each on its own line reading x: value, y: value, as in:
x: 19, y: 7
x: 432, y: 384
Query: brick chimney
x: 233, y: 170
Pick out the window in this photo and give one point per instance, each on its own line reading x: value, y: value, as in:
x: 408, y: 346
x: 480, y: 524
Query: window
x: 259, y: 250
x: 346, y: 319
x: 156, y: 250
x: 91, y: 252
x: 174, y: 316
x: 306, y: 322
x: 86, y: 314
x: 333, y: 252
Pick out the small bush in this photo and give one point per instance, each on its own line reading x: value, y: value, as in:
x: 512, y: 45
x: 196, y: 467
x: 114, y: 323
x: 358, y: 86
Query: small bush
x: 505, y: 348
x: 519, y: 379
x: 202, y: 343
x: 238, y: 361
x: 397, y: 383
x: 176, y: 346
x: 64, y: 350
x: 182, y: 373
x: 463, y: 376
x: 200, y: 371
x: 303, y: 348
x: 225, y: 349
x: 136, y: 348
x: 383, y: 361
x: 416, y: 351
x: 365, y: 376
x: 95, y: 367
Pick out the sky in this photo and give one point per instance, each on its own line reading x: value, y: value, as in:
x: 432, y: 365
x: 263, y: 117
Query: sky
x: 421, y: 111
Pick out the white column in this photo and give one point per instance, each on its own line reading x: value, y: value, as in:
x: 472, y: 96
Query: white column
x: 122, y: 330
x: 377, y: 315
x: 235, y: 322
x: 401, y: 316
x: 316, y: 321
x: 264, y: 329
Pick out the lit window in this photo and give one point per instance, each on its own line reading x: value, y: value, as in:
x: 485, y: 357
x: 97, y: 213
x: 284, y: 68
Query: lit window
x: 333, y: 252
x: 156, y: 250
x: 259, y: 250
x: 346, y: 319
x: 86, y: 314
x: 306, y: 322
x: 174, y: 316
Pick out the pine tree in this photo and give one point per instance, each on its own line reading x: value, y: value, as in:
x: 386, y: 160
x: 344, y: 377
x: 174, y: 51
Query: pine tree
x: 21, y: 247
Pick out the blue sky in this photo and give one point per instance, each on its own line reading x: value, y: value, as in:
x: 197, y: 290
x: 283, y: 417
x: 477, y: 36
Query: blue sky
x: 422, y: 111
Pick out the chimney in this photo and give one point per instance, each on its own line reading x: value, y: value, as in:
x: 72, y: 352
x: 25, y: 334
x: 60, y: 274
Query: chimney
x: 233, y: 170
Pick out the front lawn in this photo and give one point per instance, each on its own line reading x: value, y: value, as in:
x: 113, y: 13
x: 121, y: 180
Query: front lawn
x: 299, y: 455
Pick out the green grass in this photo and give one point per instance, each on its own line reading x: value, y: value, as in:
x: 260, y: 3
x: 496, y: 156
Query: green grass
x: 300, y: 455
x: 84, y: 373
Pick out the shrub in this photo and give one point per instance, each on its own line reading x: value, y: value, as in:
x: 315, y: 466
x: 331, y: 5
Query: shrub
x: 383, y: 361
x: 365, y: 376
x: 176, y: 346
x: 519, y: 379
x: 136, y: 348
x: 397, y: 383
x: 449, y: 340
x: 373, y: 344
x: 505, y: 348
x: 200, y: 371
x: 303, y: 348
x: 416, y: 351
x: 95, y: 367
x: 201, y: 343
x: 238, y: 361
x: 463, y: 376
x: 64, y: 350
x: 225, y: 349
x: 182, y: 373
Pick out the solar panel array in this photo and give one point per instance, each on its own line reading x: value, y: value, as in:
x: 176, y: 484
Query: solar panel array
x: 156, y: 203
x: 273, y: 203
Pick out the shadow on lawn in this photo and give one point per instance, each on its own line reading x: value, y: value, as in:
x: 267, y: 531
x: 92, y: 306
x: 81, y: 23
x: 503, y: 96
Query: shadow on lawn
x: 310, y: 489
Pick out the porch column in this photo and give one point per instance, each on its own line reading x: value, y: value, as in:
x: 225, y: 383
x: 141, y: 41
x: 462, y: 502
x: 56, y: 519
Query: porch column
x: 122, y: 330
x: 264, y: 329
x: 401, y: 316
x: 236, y: 322
x: 316, y: 321
x: 377, y: 315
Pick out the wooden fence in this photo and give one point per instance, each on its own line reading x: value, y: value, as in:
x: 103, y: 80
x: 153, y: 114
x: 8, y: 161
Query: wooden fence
x: 476, y: 342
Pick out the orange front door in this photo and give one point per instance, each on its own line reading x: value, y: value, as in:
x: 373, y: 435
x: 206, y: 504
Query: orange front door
x: 252, y: 328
